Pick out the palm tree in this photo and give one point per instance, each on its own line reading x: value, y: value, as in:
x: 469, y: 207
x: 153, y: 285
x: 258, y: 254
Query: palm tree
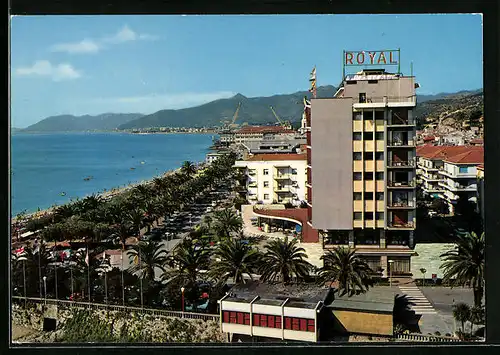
x: 351, y: 272
x: 476, y: 316
x: 226, y: 221
x: 284, y: 259
x: 464, y: 265
x: 234, y: 258
x: 185, y: 263
x: 188, y: 168
x: 461, y: 313
x: 151, y: 256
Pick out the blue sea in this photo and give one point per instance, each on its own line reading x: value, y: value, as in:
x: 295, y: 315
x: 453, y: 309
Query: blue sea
x: 46, y: 166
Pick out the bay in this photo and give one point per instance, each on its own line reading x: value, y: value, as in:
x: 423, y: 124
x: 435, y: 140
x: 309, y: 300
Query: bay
x: 44, y: 167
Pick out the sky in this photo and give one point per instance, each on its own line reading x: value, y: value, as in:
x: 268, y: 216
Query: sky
x: 143, y: 63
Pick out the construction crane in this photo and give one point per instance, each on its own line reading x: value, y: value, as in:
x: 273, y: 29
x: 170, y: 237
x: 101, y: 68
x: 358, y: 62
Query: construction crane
x: 235, y: 116
x: 285, y: 124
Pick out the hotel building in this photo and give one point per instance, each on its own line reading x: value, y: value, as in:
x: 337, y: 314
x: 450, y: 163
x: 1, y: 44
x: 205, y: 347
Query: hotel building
x: 361, y: 163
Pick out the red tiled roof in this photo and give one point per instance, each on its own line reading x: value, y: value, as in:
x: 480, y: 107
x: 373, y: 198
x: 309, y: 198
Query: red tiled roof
x: 264, y: 129
x: 475, y: 156
x: 429, y: 138
x: 477, y: 141
x: 445, y: 152
x: 278, y: 156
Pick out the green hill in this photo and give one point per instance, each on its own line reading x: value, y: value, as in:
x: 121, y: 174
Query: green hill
x: 253, y: 111
x: 68, y: 123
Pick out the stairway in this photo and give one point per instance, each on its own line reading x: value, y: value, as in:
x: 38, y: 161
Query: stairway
x: 420, y: 304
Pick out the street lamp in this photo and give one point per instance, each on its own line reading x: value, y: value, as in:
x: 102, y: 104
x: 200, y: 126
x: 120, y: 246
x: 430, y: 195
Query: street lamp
x: 45, y: 288
x: 182, y: 298
x: 390, y: 272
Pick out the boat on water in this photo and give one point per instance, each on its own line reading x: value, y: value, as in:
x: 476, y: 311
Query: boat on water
x: 132, y: 168
x: 88, y: 178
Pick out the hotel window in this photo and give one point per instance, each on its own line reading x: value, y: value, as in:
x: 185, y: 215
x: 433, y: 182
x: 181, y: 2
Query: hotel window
x: 236, y: 317
x: 266, y: 183
x: 379, y: 156
x: 368, y: 215
x: 368, y: 176
x: 356, y: 116
x: 358, y: 196
x: 379, y: 136
x: 358, y: 216
x: 356, y: 136
x: 362, y: 97
x: 368, y: 115
x: 463, y: 169
x: 379, y: 176
x: 266, y: 171
x: 266, y: 196
x: 358, y: 176
x: 379, y: 196
x: 368, y: 136
x: 372, y: 81
x: 379, y: 216
x: 357, y: 156
x: 368, y: 195
x: 379, y: 115
x: 294, y: 171
x: 368, y: 155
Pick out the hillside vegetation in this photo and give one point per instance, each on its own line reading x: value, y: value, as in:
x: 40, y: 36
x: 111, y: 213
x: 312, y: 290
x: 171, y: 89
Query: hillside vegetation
x: 459, y: 110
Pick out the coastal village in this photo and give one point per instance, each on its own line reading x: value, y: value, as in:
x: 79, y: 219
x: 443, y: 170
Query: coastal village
x: 347, y: 228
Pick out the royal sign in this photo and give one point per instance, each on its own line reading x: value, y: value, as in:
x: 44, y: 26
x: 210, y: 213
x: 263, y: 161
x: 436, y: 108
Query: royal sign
x: 385, y: 57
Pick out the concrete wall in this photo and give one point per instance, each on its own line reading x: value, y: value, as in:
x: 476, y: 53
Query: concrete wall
x: 365, y: 323
x: 404, y: 87
x: 332, y: 164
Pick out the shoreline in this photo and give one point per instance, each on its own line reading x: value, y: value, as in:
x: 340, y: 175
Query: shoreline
x: 105, y: 195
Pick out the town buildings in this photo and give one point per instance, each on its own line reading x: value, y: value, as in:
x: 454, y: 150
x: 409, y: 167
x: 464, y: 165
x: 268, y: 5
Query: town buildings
x: 260, y: 133
x: 304, y: 313
x: 449, y: 172
x: 361, y: 168
x: 275, y: 178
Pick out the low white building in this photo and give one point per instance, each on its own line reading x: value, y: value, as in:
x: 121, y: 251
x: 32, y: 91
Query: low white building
x: 275, y: 178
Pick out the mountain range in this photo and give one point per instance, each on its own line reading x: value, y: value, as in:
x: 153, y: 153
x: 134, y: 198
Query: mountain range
x: 70, y: 123
x: 254, y: 111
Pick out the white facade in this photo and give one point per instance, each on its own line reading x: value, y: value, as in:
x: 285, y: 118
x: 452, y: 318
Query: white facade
x: 458, y: 179
x: 211, y: 157
x: 276, y: 181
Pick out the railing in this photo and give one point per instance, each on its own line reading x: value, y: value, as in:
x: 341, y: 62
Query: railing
x: 402, y: 225
x: 401, y: 184
x: 409, y: 163
x: 98, y: 306
x: 387, y: 99
x: 408, y: 143
x: 426, y: 338
x: 401, y: 204
x: 252, y: 172
x: 400, y: 122
x: 282, y: 176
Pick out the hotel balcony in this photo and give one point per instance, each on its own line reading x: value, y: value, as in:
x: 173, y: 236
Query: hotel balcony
x: 252, y: 197
x: 401, y: 226
x: 431, y: 177
x: 252, y: 172
x: 385, y: 101
x: 401, y: 164
x: 457, y: 175
x: 459, y: 187
x: 253, y: 184
x: 401, y: 144
x: 401, y: 184
x: 397, y: 122
x: 401, y: 205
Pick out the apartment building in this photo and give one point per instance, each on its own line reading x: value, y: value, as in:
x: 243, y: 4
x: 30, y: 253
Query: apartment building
x: 275, y: 178
x: 459, y: 174
x: 361, y: 168
x: 449, y: 172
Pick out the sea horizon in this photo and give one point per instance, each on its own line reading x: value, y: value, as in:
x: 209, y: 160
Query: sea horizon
x: 49, y: 169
